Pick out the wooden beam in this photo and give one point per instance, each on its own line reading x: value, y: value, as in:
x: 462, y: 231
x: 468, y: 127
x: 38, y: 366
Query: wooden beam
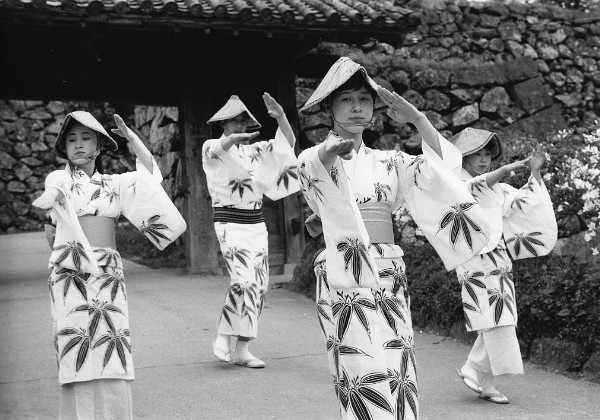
x: 293, y: 215
x: 201, y: 246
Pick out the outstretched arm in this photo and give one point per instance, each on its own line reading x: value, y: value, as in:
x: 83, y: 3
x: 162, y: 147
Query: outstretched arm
x: 492, y: 178
x: 237, y: 138
x: 402, y: 111
x: 141, y: 152
x: 276, y: 111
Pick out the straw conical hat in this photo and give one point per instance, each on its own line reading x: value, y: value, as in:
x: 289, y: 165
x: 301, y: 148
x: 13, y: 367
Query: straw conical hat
x: 88, y: 120
x: 339, y: 73
x: 233, y: 108
x: 471, y: 140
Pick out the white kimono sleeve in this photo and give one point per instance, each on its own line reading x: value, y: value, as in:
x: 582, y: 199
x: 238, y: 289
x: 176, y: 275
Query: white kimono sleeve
x: 146, y: 205
x: 529, y: 222
x: 440, y: 204
x: 277, y: 170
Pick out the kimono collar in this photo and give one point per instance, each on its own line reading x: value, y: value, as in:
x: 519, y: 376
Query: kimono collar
x: 77, y: 173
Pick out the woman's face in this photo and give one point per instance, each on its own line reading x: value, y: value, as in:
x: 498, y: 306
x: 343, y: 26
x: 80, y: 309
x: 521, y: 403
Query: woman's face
x: 478, y: 163
x: 237, y: 124
x: 81, y: 142
x: 353, y: 109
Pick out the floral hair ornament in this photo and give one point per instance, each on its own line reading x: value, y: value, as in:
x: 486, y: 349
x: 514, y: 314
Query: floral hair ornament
x: 233, y: 108
x: 339, y: 73
x: 88, y: 120
x: 471, y: 140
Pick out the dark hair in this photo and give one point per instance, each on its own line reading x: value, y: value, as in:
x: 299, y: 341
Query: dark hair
x: 354, y: 83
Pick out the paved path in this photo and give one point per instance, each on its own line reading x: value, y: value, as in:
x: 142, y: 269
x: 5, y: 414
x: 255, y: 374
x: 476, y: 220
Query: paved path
x: 173, y: 321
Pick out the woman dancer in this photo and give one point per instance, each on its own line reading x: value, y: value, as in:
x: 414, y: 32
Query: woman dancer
x: 362, y: 297
x: 87, y: 288
x: 522, y: 225
x: 238, y: 175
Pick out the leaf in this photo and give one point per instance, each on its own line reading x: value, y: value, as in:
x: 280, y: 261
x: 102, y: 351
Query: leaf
x: 351, y: 351
x: 343, y: 322
x: 121, y: 353
x: 108, y: 353
x: 564, y: 312
x: 375, y: 398
x: 67, y: 331
x: 103, y: 339
x: 82, y: 354
x: 69, y: 346
x: 358, y: 406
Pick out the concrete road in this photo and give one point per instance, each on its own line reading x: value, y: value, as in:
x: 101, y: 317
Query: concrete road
x: 173, y: 321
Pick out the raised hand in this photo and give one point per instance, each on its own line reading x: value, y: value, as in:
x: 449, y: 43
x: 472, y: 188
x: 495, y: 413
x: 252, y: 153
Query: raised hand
x: 122, y: 129
x: 333, y: 147
x: 537, y: 160
x: 273, y: 108
x: 515, y: 166
x: 399, y: 109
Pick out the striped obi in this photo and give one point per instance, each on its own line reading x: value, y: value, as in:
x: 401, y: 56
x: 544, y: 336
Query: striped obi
x: 377, y: 217
x: 233, y: 215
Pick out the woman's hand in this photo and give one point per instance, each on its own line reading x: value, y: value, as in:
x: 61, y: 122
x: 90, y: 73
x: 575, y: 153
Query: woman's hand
x: 537, y: 160
x: 399, y: 109
x: 122, y: 129
x: 333, y: 147
x: 518, y: 165
x: 273, y: 108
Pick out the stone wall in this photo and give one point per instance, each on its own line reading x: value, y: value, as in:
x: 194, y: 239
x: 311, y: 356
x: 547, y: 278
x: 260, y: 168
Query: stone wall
x: 28, y: 131
x: 515, y: 69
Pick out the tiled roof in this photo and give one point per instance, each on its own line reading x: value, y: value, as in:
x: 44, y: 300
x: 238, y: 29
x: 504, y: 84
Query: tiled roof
x: 375, y: 14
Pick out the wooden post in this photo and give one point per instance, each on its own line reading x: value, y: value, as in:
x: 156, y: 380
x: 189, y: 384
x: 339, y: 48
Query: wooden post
x: 293, y: 217
x: 201, y: 246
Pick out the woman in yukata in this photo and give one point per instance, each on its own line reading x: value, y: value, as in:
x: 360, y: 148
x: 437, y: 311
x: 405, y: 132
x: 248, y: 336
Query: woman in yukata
x: 522, y: 225
x: 87, y: 288
x: 362, y: 297
x: 238, y: 175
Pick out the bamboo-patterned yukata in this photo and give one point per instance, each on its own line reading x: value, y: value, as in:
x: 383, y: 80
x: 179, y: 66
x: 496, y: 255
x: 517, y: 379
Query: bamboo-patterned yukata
x: 237, y: 180
x: 87, y: 288
x: 522, y: 225
x: 362, y: 298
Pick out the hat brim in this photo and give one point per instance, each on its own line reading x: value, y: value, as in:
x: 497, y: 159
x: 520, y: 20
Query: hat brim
x: 253, y: 125
x: 339, y: 73
x: 470, y: 141
x: 86, y: 119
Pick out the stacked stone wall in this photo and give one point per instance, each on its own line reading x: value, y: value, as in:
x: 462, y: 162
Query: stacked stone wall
x: 511, y: 68
x: 28, y: 131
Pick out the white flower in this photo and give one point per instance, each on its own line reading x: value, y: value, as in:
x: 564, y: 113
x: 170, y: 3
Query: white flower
x: 594, y: 251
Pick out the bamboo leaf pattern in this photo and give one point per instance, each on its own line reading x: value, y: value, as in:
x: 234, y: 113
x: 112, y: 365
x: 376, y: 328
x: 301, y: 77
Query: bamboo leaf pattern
x: 527, y: 241
x: 240, y: 185
x: 285, y: 175
x: 378, y: 248
x: 406, y: 388
x: 334, y: 345
x: 313, y: 184
x: 72, y: 277
x: 460, y: 222
x: 212, y: 155
x: 506, y: 278
x: 381, y: 191
x: 335, y: 175
x: 469, y: 307
x: 348, y: 306
x: 107, y: 256
x: 356, y: 393
x: 116, y: 340
x: 153, y: 230
x: 74, y: 250
x: 468, y: 280
x: 391, y: 164
x: 81, y: 339
x: 98, y: 310
x: 493, y: 254
x: 111, y: 194
x: 518, y: 202
x: 397, y: 273
x: 355, y: 253
x: 416, y: 163
x: 116, y: 281
x: 500, y: 300
x: 389, y: 306
x: 477, y: 187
